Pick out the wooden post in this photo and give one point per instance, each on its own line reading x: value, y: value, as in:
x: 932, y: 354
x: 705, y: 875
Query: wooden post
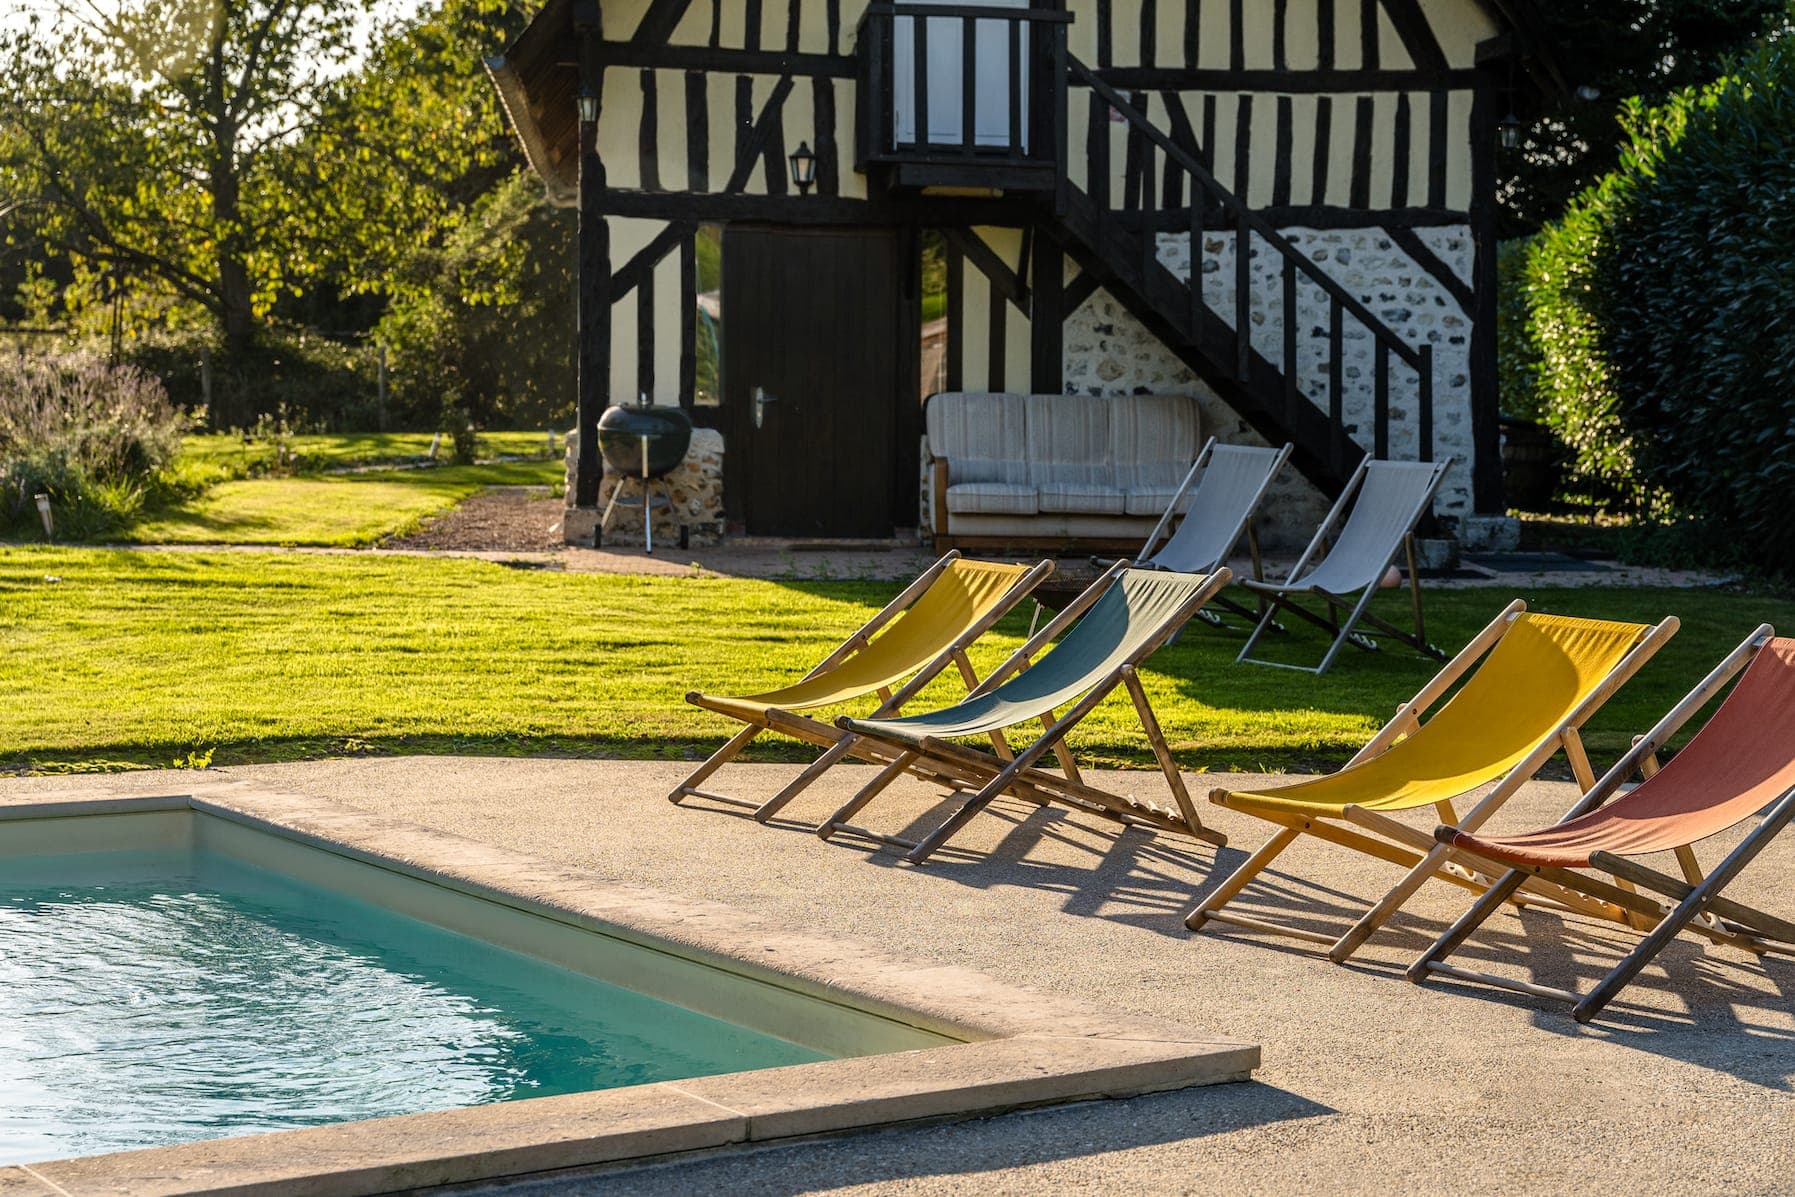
x: 1486, y: 432
x: 380, y: 387
x: 594, y: 272
x: 1047, y: 315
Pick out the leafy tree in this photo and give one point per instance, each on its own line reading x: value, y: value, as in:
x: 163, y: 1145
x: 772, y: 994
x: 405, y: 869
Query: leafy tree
x: 1623, y: 49
x: 233, y: 158
x: 149, y: 140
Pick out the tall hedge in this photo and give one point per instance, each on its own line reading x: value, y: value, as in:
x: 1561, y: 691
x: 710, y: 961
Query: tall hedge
x: 1663, y: 306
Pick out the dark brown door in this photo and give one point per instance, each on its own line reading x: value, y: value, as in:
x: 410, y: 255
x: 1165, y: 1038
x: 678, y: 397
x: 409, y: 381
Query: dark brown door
x: 819, y: 360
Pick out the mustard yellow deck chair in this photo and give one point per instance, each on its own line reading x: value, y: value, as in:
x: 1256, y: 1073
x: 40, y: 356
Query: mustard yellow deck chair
x: 1541, y: 678
x: 922, y: 631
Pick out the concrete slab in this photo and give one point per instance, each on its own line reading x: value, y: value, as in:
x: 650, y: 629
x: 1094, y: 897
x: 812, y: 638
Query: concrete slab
x: 1368, y: 1085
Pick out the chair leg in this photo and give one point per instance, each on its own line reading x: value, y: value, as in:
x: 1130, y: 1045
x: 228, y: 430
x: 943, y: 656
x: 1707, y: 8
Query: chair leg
x: 1488, y: 903
x: 868, y: 792
x: 716, y: 761
x: 1388, y: 905
x: 1239, y: 878
x: 1722, y: 875
x: 1346, y: 629
x: 801, y: 782
x: 1270, y: 610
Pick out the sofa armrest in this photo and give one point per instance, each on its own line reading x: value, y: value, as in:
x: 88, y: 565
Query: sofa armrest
x: 938, y: 494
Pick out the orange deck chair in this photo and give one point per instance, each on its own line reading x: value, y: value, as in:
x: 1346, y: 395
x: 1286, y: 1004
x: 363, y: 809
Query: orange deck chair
x: 1742, y: 763
x: 922, y: 631
x: 1539, y: 680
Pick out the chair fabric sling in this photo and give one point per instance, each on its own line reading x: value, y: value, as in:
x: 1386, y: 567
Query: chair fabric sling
x: 1388, y: 500
x: 1232, y: 482
x: 1138, y: 611
x: 1740, y: 764
x: 961, y: 601
x: 1540, y: 678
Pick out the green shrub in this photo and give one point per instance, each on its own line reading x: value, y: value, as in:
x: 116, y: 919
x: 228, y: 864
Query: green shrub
x: 1662, y: 306
x: 95, y: 438
x: 1517, y: 360
x: 318, y: 382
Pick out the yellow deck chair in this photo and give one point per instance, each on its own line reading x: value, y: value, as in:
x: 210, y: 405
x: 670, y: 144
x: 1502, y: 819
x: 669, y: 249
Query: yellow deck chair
x: 922, y: 631
x: 1543, y: 677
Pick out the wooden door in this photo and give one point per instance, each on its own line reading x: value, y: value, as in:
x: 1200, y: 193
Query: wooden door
x: 820, y: 356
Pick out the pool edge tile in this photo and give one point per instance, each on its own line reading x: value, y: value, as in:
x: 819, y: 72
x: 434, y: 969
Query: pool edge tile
x: 969, y: 1080
x: 413, y: 1150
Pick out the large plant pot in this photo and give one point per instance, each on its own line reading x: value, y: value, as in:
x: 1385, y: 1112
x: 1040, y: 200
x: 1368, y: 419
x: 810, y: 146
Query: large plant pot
x: 620, y: 433
x: 1532, y: 465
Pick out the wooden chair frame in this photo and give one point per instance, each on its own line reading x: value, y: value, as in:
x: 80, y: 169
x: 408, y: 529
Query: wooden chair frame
x: 891, y: 702
x: 982, y: 778
x: 1379, y: 835
x: 1278, y: 596
x: 1693, y: 902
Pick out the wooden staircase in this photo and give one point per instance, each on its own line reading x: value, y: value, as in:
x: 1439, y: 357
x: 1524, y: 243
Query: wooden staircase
x: 1113, y: 234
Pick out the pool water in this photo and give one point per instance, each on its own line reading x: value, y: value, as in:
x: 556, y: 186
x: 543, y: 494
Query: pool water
x: 149, y: 998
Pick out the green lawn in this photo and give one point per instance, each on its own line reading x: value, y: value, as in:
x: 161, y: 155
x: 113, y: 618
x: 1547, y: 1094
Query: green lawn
x: 314, y: 452
x: 117, y: 658
x: 332, y: 510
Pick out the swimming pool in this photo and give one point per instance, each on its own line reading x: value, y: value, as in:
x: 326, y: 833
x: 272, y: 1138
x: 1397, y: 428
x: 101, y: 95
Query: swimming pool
x: 400, y: 1008
x: 162, y: 997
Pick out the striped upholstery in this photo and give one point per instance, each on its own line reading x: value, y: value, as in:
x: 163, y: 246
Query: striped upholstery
x: 1153, y: 439
x: 1068, y: 440
x: 983, y: 437
x: 992, y: 498
x: 1024, y: 455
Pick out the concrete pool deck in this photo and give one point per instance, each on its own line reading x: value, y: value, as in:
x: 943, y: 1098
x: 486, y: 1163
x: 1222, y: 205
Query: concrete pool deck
x: 1367, y: 1083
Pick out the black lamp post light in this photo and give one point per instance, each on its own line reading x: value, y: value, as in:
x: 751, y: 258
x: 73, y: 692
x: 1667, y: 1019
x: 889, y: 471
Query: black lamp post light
x: 803, y: 168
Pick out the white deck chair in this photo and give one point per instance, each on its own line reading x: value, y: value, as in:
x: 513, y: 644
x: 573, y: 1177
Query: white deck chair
x: 1388, y: 499
x: 1231, y: 481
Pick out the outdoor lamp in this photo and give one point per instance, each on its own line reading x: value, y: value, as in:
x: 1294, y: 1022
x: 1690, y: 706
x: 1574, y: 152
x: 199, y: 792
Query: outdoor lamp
x: 1509, y: 131
x: 588, y: 106
x: 803, y: 168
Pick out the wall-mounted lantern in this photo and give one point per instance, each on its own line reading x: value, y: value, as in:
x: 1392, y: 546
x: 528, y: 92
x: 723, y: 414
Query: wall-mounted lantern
x: 803, y: 168
x: 1509, y: 131
x: 588, y: 106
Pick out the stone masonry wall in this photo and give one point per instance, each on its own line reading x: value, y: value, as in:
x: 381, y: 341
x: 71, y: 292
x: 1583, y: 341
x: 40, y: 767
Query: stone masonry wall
x: 696, y: 488
x: 1108, y: 352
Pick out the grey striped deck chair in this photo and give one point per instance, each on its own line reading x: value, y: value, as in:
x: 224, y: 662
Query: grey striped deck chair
x: 1230, y: 482
x: 1388, y: 499
x: 1127, y: 614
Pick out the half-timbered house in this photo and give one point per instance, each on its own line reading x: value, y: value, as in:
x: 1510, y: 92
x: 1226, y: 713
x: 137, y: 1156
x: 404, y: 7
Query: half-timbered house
x: 1284, y: 206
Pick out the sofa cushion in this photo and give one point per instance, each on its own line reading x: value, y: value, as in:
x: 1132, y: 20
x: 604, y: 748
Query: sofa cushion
x: 992, y: 498
x: 1153, y: 500
x: 982, y: 437
x: 1081, y: 498
x: 1154, y: 439
x: 1068, y: 440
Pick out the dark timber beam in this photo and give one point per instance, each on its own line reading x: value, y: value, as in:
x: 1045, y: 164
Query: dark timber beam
x: 594, y: 272
x: 1486, y: 432
x: 1047, y: 315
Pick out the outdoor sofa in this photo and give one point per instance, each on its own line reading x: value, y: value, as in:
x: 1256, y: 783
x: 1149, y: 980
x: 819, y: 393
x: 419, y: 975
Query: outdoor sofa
x: 1030, y: 471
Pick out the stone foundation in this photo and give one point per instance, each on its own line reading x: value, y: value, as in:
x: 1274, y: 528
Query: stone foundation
x: 696, y: 489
